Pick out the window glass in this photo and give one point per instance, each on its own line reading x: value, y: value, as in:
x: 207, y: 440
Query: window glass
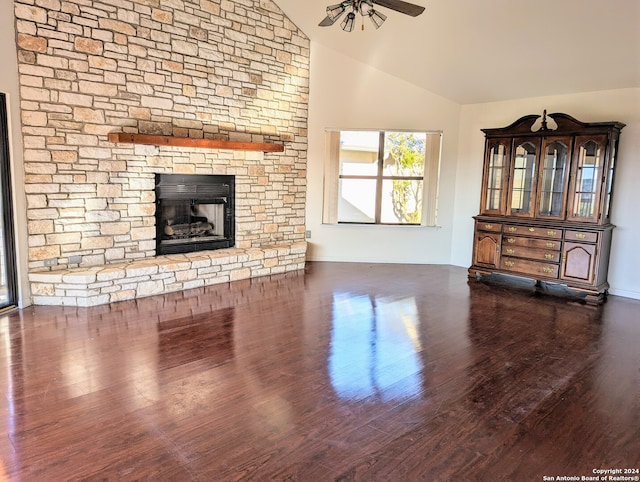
x: 8, y: 288
x: 404, y: 154
x: 401, y: 199
x: 359, y: 153
x: 357, y: 201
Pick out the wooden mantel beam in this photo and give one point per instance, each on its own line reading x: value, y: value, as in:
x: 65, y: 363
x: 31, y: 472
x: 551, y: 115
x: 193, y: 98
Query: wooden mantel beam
x: 153, y: 140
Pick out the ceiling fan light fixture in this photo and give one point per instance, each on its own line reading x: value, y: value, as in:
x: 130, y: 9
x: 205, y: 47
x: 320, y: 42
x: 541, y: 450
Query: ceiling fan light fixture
x: 334, y: 11
x: 348, y: 22
x: 366, y: 9
x: 376, y: 17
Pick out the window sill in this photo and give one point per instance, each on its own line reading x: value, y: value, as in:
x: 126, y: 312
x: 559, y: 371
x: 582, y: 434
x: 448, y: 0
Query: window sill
x: 380, y: 225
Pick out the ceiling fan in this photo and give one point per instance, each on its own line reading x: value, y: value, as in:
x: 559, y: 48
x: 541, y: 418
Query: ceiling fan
x: 366, y: 9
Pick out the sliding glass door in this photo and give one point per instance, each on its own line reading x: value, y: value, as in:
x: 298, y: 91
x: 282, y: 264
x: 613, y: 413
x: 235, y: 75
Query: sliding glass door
x: 7, y: 251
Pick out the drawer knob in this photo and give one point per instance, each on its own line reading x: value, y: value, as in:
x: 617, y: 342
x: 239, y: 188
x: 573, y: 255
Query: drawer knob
x: 548, y: 256
x: 509, y: 264
x: 511, y: 240
x: 513, y: 229
x: 547, y: 270
x: 550, y: 245
x: 510, y: 250
x: 488, y: 226
x: 581, y: 235
x: 551, y: 233
x: 532, y: 230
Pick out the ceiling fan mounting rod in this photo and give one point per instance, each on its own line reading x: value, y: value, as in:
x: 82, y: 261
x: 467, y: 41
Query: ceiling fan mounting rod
x: 358, y: 4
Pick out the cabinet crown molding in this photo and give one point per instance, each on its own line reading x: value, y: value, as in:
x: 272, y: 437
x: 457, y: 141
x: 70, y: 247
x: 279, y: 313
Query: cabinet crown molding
x: 562, y: 124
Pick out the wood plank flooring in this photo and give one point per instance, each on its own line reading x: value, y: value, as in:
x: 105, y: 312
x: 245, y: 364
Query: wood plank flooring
x: 341, y: 372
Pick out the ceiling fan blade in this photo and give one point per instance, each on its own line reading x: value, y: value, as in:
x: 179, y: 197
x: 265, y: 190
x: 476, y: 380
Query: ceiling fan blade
x: 400, y: 6
x: 327, y: 22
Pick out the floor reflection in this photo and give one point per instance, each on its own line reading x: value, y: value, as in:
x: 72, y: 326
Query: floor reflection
x: 6, y: 378
x: 375, y: 347
x: 208, y: 336
x: 525, y: 348
x: 339, y: 374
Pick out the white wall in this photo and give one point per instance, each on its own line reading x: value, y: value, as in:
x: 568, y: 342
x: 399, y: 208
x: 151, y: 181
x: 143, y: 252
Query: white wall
x: 9, y: 86
x: 618, y: 105
x: 346, y: 94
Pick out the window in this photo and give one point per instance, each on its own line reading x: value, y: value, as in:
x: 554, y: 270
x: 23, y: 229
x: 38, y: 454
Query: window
x: 8, y: 288
x: 381, y: 177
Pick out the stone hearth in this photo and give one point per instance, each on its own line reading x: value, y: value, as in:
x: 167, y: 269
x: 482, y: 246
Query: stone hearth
x: 163, y: 274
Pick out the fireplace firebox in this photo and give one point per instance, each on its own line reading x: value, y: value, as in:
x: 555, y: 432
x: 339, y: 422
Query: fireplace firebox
x: 194, y: 212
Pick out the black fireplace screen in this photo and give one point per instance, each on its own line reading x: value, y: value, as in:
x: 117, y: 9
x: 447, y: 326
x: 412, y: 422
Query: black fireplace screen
x: 194, y: 212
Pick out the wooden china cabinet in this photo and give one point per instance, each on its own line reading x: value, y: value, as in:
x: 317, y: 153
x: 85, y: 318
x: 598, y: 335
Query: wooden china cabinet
x: 545, y: 205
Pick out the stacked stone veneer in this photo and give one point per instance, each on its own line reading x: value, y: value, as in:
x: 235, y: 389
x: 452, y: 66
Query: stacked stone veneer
x: 136, y: 279
x: 221, y: 69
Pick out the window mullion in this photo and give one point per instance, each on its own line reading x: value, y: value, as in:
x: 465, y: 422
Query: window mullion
x: 379, y: 179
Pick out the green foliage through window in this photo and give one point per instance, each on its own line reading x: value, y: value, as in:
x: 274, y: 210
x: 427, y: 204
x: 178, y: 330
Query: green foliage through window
x: 405, y: 153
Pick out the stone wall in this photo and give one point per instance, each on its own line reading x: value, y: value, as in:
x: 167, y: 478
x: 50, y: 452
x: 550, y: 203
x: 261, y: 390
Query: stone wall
x: 236, y: 70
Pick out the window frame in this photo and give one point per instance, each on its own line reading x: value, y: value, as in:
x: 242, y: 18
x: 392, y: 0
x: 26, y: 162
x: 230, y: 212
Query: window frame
x: 430, y: 177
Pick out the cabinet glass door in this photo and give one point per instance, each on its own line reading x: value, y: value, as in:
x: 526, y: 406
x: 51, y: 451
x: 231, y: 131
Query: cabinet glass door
x: 495, y: 178
x: 585, y: 185
x: 523, y: 179
x: 553, y: 178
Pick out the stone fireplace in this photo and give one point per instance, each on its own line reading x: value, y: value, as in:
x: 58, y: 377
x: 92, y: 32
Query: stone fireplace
x: 196, y: 69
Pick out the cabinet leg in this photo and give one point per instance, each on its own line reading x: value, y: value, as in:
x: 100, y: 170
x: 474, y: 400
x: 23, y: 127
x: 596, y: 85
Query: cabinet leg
x: 541, y: 287
x: 596, y: 299
x: 476, y: 274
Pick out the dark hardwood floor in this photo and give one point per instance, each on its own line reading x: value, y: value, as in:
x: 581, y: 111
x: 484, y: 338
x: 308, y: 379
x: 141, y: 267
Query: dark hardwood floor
x: 343, y: 372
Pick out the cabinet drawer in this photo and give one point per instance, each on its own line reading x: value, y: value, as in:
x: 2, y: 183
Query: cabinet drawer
x: 491, y: 227
x: 581, y: 236
x: 532, y: 253
x: 534, y: 231
x: 534, y: 268
x: 532, y: 242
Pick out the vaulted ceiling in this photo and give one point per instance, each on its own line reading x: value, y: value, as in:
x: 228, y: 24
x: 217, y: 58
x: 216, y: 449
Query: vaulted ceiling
x: 473, y: 51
